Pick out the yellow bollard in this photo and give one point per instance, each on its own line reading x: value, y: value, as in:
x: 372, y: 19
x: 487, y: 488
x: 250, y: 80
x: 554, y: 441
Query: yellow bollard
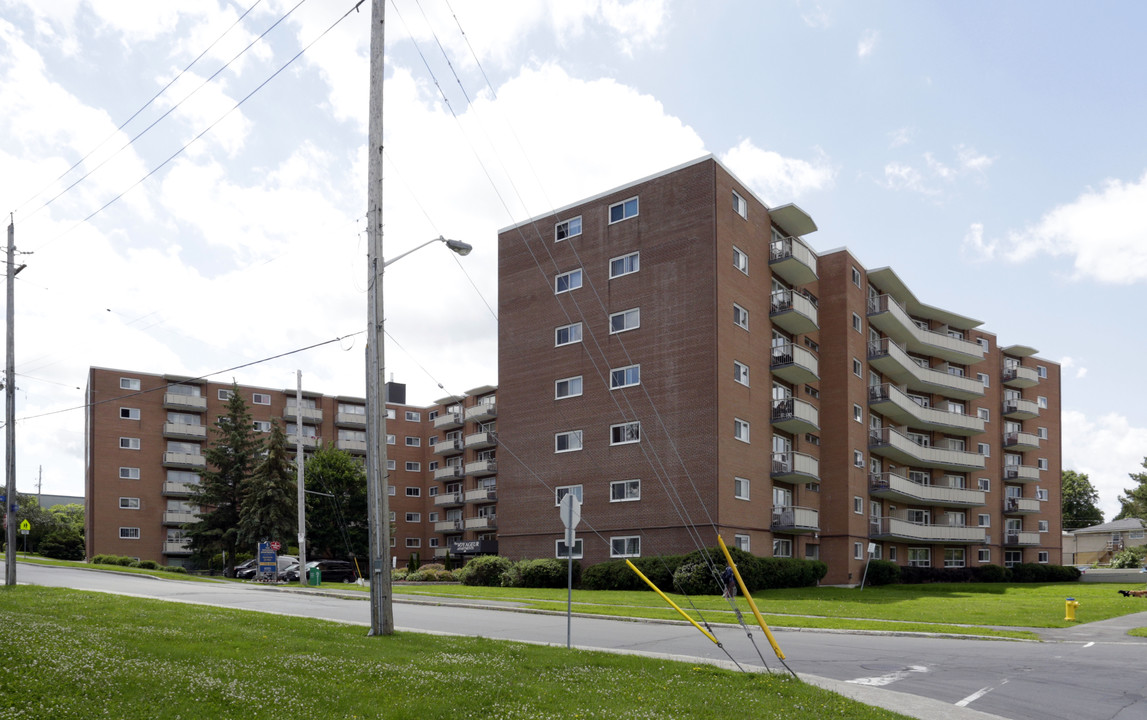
x: 1071, y: 605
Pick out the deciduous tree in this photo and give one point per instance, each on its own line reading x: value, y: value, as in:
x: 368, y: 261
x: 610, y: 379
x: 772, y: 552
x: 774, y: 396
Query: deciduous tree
x: 337, y: 518
x: 1080, y: 501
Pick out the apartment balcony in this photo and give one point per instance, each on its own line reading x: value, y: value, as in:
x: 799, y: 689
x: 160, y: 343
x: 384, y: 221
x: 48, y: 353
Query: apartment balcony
x: 795, y: 416
x: 1016, y: 538
x: 448, y: 421
x: 178, y: 547
x: 449, y: 527
x: 1020, y: 377
x: 897, y: 365
x: 310, y: 442
x: 795, y: 364
x: 792, y: 311
x: 450, y: 472
x: 184, y: 461
x: 885, y: 314
x: 1020, y: 409
x: 891, y: 486
x: 354, y: 447
x: 171, y: 517
x: 893, y: 528
x: 449, y: 447
x: 453, y: 499
x: 482, y: 412
x: 486, y: 522
x: 351, y: 420
x: 178, y: 489
x: 482, y: 495
x: 1021, y: 441
x: 795, y: 467
x: 480, y: 440
x: 441, y: 552
x: 896, y: 406
x: 1021, y: 473
x: 794, y: 261
x: 309, y: 416
x: 902, y: 450
x: 185, y: 403
x: 1021, y: 506
x: 182, y: 431
x: 792, y: 519
x: 482, y: 468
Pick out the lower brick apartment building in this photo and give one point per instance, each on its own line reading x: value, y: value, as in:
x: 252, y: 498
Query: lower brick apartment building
x: 675, y: 353
x: 145, y: 435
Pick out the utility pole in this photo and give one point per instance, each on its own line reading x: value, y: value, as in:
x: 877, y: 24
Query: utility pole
x: 378, y: 502
x: 10, y: 415
x: 299, y: 481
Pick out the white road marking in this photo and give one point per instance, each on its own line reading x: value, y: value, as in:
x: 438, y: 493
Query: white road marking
x: 890, y: 677
x: 1088, y: 644
x: 978, y: 694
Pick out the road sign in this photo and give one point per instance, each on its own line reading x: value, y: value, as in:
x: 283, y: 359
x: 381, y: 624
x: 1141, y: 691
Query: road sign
x: 275, y: 545
x: 268, y: 560
x: 570, y: 510
x: 25, y: 525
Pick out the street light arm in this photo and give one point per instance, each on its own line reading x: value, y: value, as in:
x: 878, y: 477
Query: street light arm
x: 456, y: 245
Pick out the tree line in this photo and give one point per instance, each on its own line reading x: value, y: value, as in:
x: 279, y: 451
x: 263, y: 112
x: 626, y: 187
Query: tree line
x: 1081, y: 500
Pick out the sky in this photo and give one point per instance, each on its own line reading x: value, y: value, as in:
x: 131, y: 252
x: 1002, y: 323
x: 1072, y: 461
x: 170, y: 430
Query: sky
x: 188, y: 180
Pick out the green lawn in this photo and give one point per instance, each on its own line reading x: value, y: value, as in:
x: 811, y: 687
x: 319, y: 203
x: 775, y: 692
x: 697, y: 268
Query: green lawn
x: 1138, y: 632
x: 68, y: 654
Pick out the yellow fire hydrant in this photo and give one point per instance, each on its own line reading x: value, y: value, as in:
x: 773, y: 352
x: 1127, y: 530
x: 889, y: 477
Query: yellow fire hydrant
x: 1071, y: 605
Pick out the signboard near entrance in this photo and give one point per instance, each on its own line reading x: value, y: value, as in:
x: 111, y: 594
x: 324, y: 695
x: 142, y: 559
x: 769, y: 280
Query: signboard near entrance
x: 268, y: 560
x: 474, y: 547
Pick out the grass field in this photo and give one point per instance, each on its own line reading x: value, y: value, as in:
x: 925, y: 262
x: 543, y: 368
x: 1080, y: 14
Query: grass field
x: 67, y: 654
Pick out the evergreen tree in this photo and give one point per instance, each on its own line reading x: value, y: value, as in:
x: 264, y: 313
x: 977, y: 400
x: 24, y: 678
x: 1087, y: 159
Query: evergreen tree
x: 1079, y: 501
x: 336, y: 526
x: 230, y: 459
x: 1134, y: 503
x: 270, y: 507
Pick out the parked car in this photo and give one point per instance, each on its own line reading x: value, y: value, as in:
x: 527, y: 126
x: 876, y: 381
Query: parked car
x: 249, y: 573
x: 241, y: 567
x: 332, y: 571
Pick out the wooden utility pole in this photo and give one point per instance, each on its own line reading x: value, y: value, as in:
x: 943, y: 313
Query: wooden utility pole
x: 301, y: 494
x: 10, y: 416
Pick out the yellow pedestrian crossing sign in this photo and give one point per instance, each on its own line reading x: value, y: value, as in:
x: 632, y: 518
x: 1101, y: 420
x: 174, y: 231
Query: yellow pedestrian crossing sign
x: 25, y: 525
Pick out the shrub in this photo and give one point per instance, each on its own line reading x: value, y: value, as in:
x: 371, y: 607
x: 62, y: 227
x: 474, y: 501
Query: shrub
x: 413, y: 562
x: 484, y: 570
x: 696, y: 578
x: 62, y: 544
x: 991, y: 574
x: 133, y: 564
x: 541, y: 573
x: 126, y: 561
x: 176, y: 569
x: 399, y: 574
x: 150, y: 565
x: 1038, y: 573
x: 1129, y: 558
x: 883, y: 572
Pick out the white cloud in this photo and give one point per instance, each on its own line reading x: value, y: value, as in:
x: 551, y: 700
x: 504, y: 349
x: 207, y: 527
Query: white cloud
x: 778, y: 179
x: 816, y: 17
x: 1105, y: 448
x: 936, y: 174
x: 971, y: 160
x: 1103, y: 231
x: 900, y: 176
x: 867, y: 43
x: 900, y: 136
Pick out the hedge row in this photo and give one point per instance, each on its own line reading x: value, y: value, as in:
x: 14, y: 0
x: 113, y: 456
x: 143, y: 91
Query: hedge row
x: 125, y: 561
x: 883, y: 572
x: 497, y: 571
x: 698, y: 573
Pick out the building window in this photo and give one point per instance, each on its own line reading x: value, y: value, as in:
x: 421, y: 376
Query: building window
x: 741, y: 373
x: 1042, y: 556
x: 129, y: 443
x: 953, y: 557
x: 568, y: 229
x: 984, y: 520
x: 412, y: 441
x: 567, y: 387
x: 433, y: 542
x: 1041, y: 371
x: 413, y: 542
x: 1041, y: 494
x: 1013, y: 557
x: 262, y: 426
x: 432, y: 441
x: 1042, y: 402
x: 740, y: 316
x: 624, y: 490
x: 984, y: 555
x: 740, y: 260
x: 857, y: 323
x: 390, y: 439
x: 390, y: 465
x: 782, y: 547
x: 625, y: 433
x: 629, y: 546
x: 740, y: 488
x: 128, y: 383
x: 625, y: 377
x: 741, y: 542
x: 857, y: 459
x: 984, y: 484
x: 567, y: 281
x: 432, y: 517
x: 390, y: 413
x: 1041, y: 463
x: 390, y: 489
x: 432, y: 414
x: 740, y: 206
x: 129, y: 413
x: 740, y: 430
x: 567, y: 441
x: 919, y: 557
x: 856, y: 277
x: 857, y: 413
x: 857, y: 551
x: 622, y: 210
x: 413, y: 517
x: 624, y: 265
x: 413, y: 491
x: 432, y: 491
x: 567, y: 335
x: 563, y: 490
x: 1043, y: 526
x: 1041, y: 433
x: 857, y: 368
x: 224, y: 394
x: 984, y: 414
x: 983, y: 378
x: 129, y: 503
x: 412, y: 416
x: 412, y: 466
x: 984, y: 449
x: 624, y: 320
x: 892, y: 553
x: 129, y: 473
x: 560, y: 550
x: 129, y: 533
x: 983, y: 342
x: 260, y: 399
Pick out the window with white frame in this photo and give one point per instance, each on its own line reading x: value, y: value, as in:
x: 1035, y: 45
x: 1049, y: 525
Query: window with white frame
x: 390, y: 415
x: 562, y: 490
x: 412, y: 416
x: 413, y: 517
x: 432, y: 414
x: 432, y: 517
x: 984, y: 555
x: 432, y: 441
x: 432, y: 491
x: 263, y: 426
x: 129, y: 533
x: 129, y: 503
x: 740, y: 260
x: 857, y: 459
x: 412, y: 466
x: 625, y: 377
x: 740, y: 488
x: 1013, y: 557
x: 129, y: 443
x: 857, y: 413
x: 741, y: 373
x: 391, y: 439
x: 857, y: 368
x: 953, y: 557
x: 624, y: 265
x: 561, y: 551
x: 1041, y: 371
x: 740, y: 430
x: 984, y: 449
x: 1041, y: 463
x: 567, y: 281
x: 984, y: 484
x: 567, y: 334
x: 1041, y: 433
x: 1041, y: 494
x: 567, y: 229
x: 741, y: 542
x: 390, y: 489
x: 390, y: 465
x: 782, y: 547
x: 857, y: 323
x: 740, y: 206
x: 413, y: 441
x: 412, y: 491
x: 740, y: 316
x: 984, y: 414
x: 126, y: 413
x: 984, y: 379
x: 625, y: 320
x: 568, y: 441
x: 983, y: 342
x: 857, y: 551
x: 622, y: 210
x: 627, y: 546
x: 1043, y: 526
x: 129, y: 383
x: 413, y: 542
x: 856, y: 277
x: 919, y: 557
x: 224, y: 394
x: 1042, y: 402
x: 1042, y: 556
x: 567, y: 387
x: 625, y: 433
x: 983, y: 520
x: 624, y: 490
x: 260, y: 399
x: 892, y: 553
x: 129, y: 473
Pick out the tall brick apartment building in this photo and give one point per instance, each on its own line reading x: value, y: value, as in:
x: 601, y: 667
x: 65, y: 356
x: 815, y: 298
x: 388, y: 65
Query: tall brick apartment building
x: 145, y: 436
x: 676, y: 353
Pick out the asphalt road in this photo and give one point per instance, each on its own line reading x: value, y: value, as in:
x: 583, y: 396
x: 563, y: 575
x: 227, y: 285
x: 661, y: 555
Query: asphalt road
x: 1090, y: 672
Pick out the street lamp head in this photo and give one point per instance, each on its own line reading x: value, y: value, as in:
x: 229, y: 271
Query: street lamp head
x: 462, y: 248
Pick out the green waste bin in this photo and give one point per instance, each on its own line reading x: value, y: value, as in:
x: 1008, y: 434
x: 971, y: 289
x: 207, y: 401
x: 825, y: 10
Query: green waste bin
x: 314, y: 576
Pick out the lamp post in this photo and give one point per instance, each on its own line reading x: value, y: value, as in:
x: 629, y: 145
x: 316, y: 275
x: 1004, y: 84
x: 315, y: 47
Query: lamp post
x: 378, y: 496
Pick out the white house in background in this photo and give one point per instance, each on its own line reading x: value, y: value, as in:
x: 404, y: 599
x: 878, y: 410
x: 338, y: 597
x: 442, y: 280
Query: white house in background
x: 1098, y: 543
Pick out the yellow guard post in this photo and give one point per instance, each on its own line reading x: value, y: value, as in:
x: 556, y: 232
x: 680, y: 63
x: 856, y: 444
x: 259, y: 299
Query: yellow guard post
x: 749, y: 598
x: 666, y: 599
